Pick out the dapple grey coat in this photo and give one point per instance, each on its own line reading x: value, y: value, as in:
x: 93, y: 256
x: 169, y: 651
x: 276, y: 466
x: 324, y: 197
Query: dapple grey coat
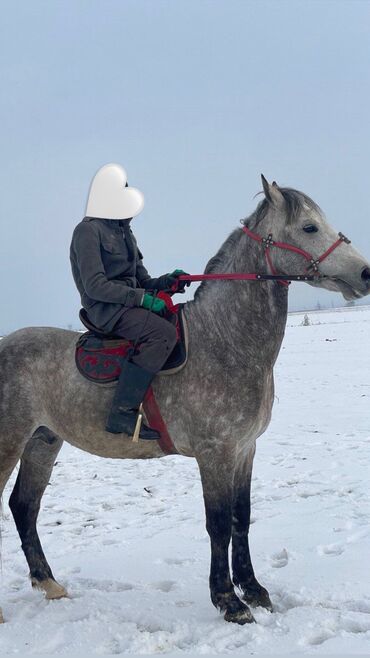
x: 107, y: 280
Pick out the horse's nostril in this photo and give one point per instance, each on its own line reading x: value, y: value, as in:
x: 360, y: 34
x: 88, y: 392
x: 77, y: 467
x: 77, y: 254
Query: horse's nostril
x: 365, y: 275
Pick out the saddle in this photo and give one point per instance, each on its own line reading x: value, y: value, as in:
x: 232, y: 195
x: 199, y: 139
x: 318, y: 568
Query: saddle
x: 99, y: 356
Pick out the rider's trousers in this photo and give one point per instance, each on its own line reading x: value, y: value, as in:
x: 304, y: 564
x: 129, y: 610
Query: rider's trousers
x: 156, y: 335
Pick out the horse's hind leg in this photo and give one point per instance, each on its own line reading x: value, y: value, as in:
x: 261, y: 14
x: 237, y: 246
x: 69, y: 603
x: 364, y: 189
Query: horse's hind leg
x: 36, y: 466
x: 217, y: 477
x: 11, y: 447
x: 243, y: 574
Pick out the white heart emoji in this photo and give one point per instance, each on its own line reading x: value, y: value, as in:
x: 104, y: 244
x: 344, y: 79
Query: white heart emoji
x: 109, y: 198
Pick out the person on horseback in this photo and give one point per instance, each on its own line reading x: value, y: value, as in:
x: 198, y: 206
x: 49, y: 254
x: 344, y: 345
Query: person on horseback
x: 118, y: 294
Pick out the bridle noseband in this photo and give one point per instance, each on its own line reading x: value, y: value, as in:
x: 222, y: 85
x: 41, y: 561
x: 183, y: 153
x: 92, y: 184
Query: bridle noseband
x: 312, y: 269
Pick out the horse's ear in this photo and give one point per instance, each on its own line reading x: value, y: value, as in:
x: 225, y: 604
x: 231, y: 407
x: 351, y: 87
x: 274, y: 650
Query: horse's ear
x: 272, y: 193
x: 266, y: 188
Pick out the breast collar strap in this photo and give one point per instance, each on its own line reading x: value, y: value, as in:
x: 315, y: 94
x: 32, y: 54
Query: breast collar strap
x: 312, y: 267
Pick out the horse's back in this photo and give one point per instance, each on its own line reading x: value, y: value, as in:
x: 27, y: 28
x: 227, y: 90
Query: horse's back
x: 38, y: 337
x: 23, y: 346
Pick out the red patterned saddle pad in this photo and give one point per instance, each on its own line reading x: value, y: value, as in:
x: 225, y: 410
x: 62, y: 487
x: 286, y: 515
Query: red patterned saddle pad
x: 100, y: 359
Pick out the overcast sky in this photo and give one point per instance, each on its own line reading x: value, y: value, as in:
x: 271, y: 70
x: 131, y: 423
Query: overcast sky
x: 195, y: 98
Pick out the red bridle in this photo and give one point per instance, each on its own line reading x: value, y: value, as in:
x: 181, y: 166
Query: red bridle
x: 313, y: 262
x: 283, y: 279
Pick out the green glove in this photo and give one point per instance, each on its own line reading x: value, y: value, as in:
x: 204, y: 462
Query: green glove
x: 153, y: 304
x: 167, y: 281
x: 180, y: 284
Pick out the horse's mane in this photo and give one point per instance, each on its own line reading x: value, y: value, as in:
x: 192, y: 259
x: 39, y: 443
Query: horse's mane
x: 295, y: 202
x: 221, y: 257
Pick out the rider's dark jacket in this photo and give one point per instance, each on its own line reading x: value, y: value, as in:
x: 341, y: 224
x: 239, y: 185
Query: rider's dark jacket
x: 108, y: 270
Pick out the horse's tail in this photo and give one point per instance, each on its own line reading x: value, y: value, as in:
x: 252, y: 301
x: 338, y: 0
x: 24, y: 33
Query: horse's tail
x: 1, y: 553
x: 1, y: 539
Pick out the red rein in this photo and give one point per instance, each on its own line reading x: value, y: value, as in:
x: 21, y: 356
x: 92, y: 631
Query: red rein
x: 283, y: 279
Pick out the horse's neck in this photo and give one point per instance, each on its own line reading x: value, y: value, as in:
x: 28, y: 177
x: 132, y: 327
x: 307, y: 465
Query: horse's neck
x: 241, y: 317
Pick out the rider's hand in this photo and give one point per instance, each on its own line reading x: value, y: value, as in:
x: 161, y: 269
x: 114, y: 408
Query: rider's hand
x: 167, y: 281
x: 153, y: 304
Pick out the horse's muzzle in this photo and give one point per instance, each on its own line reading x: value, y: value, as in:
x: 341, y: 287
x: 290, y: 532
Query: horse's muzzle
x: 365, y: 277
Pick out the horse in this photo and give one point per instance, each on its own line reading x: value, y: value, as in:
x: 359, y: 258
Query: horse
x: 215, y: 408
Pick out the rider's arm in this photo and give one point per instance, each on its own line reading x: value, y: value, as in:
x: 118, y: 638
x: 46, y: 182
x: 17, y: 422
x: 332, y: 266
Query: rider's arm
x: 164, y: 282
x: 85, y: 249
x: 143, y: 277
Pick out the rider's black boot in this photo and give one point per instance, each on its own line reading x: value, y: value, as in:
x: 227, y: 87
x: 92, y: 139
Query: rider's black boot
x: 131, y: 388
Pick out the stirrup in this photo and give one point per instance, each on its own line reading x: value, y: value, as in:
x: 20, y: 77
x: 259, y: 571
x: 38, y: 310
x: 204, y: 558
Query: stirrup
x: 135, y: 436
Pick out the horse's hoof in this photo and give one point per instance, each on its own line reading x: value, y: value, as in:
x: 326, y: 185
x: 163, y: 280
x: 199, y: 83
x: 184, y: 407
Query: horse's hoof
x: 240, y: 616
x: 262, y: 600
x: 56, y: 591
x: 1, y: 617
x: 51, y: 588
x: 258, y: 598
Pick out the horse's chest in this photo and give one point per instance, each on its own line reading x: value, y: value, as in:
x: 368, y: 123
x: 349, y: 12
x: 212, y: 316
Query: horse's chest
x: 255, y: 406
x: 241, y: 411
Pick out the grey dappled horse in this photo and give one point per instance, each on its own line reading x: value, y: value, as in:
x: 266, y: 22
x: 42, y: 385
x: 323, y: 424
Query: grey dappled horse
x: 215, y: 408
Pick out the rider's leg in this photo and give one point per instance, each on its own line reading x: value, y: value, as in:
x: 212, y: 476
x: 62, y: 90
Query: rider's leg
x: 157, y: 337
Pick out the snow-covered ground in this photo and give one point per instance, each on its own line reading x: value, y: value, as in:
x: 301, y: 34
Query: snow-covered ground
x: 128, y: 538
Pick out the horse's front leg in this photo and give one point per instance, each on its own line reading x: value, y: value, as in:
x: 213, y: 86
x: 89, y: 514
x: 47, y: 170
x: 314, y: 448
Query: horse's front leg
x: 243, y: 574
x: 217, y: 492
x: 36, y: 466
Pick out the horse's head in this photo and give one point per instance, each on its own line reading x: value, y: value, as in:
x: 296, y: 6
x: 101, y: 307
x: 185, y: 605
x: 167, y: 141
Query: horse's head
x: 294, y: 219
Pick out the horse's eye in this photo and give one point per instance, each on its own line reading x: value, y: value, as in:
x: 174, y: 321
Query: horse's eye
x: 310, y: 228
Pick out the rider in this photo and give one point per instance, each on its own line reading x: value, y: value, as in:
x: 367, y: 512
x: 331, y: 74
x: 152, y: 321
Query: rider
x: 118, y: 294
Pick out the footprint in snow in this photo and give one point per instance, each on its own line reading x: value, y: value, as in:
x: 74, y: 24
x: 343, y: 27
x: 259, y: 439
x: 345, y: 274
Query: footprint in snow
x: 280, y: 559
x: 330, y: 549
x: 319, y: 637
x: 103, y: 585
x: 350, y: 625
x: 164, y: 585
x: 183, y: 604
x: 177, y: 561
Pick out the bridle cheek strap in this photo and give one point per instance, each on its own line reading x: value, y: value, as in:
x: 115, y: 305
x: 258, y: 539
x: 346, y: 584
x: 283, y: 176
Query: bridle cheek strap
x: 272, y: 269
x: 314, y: 263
